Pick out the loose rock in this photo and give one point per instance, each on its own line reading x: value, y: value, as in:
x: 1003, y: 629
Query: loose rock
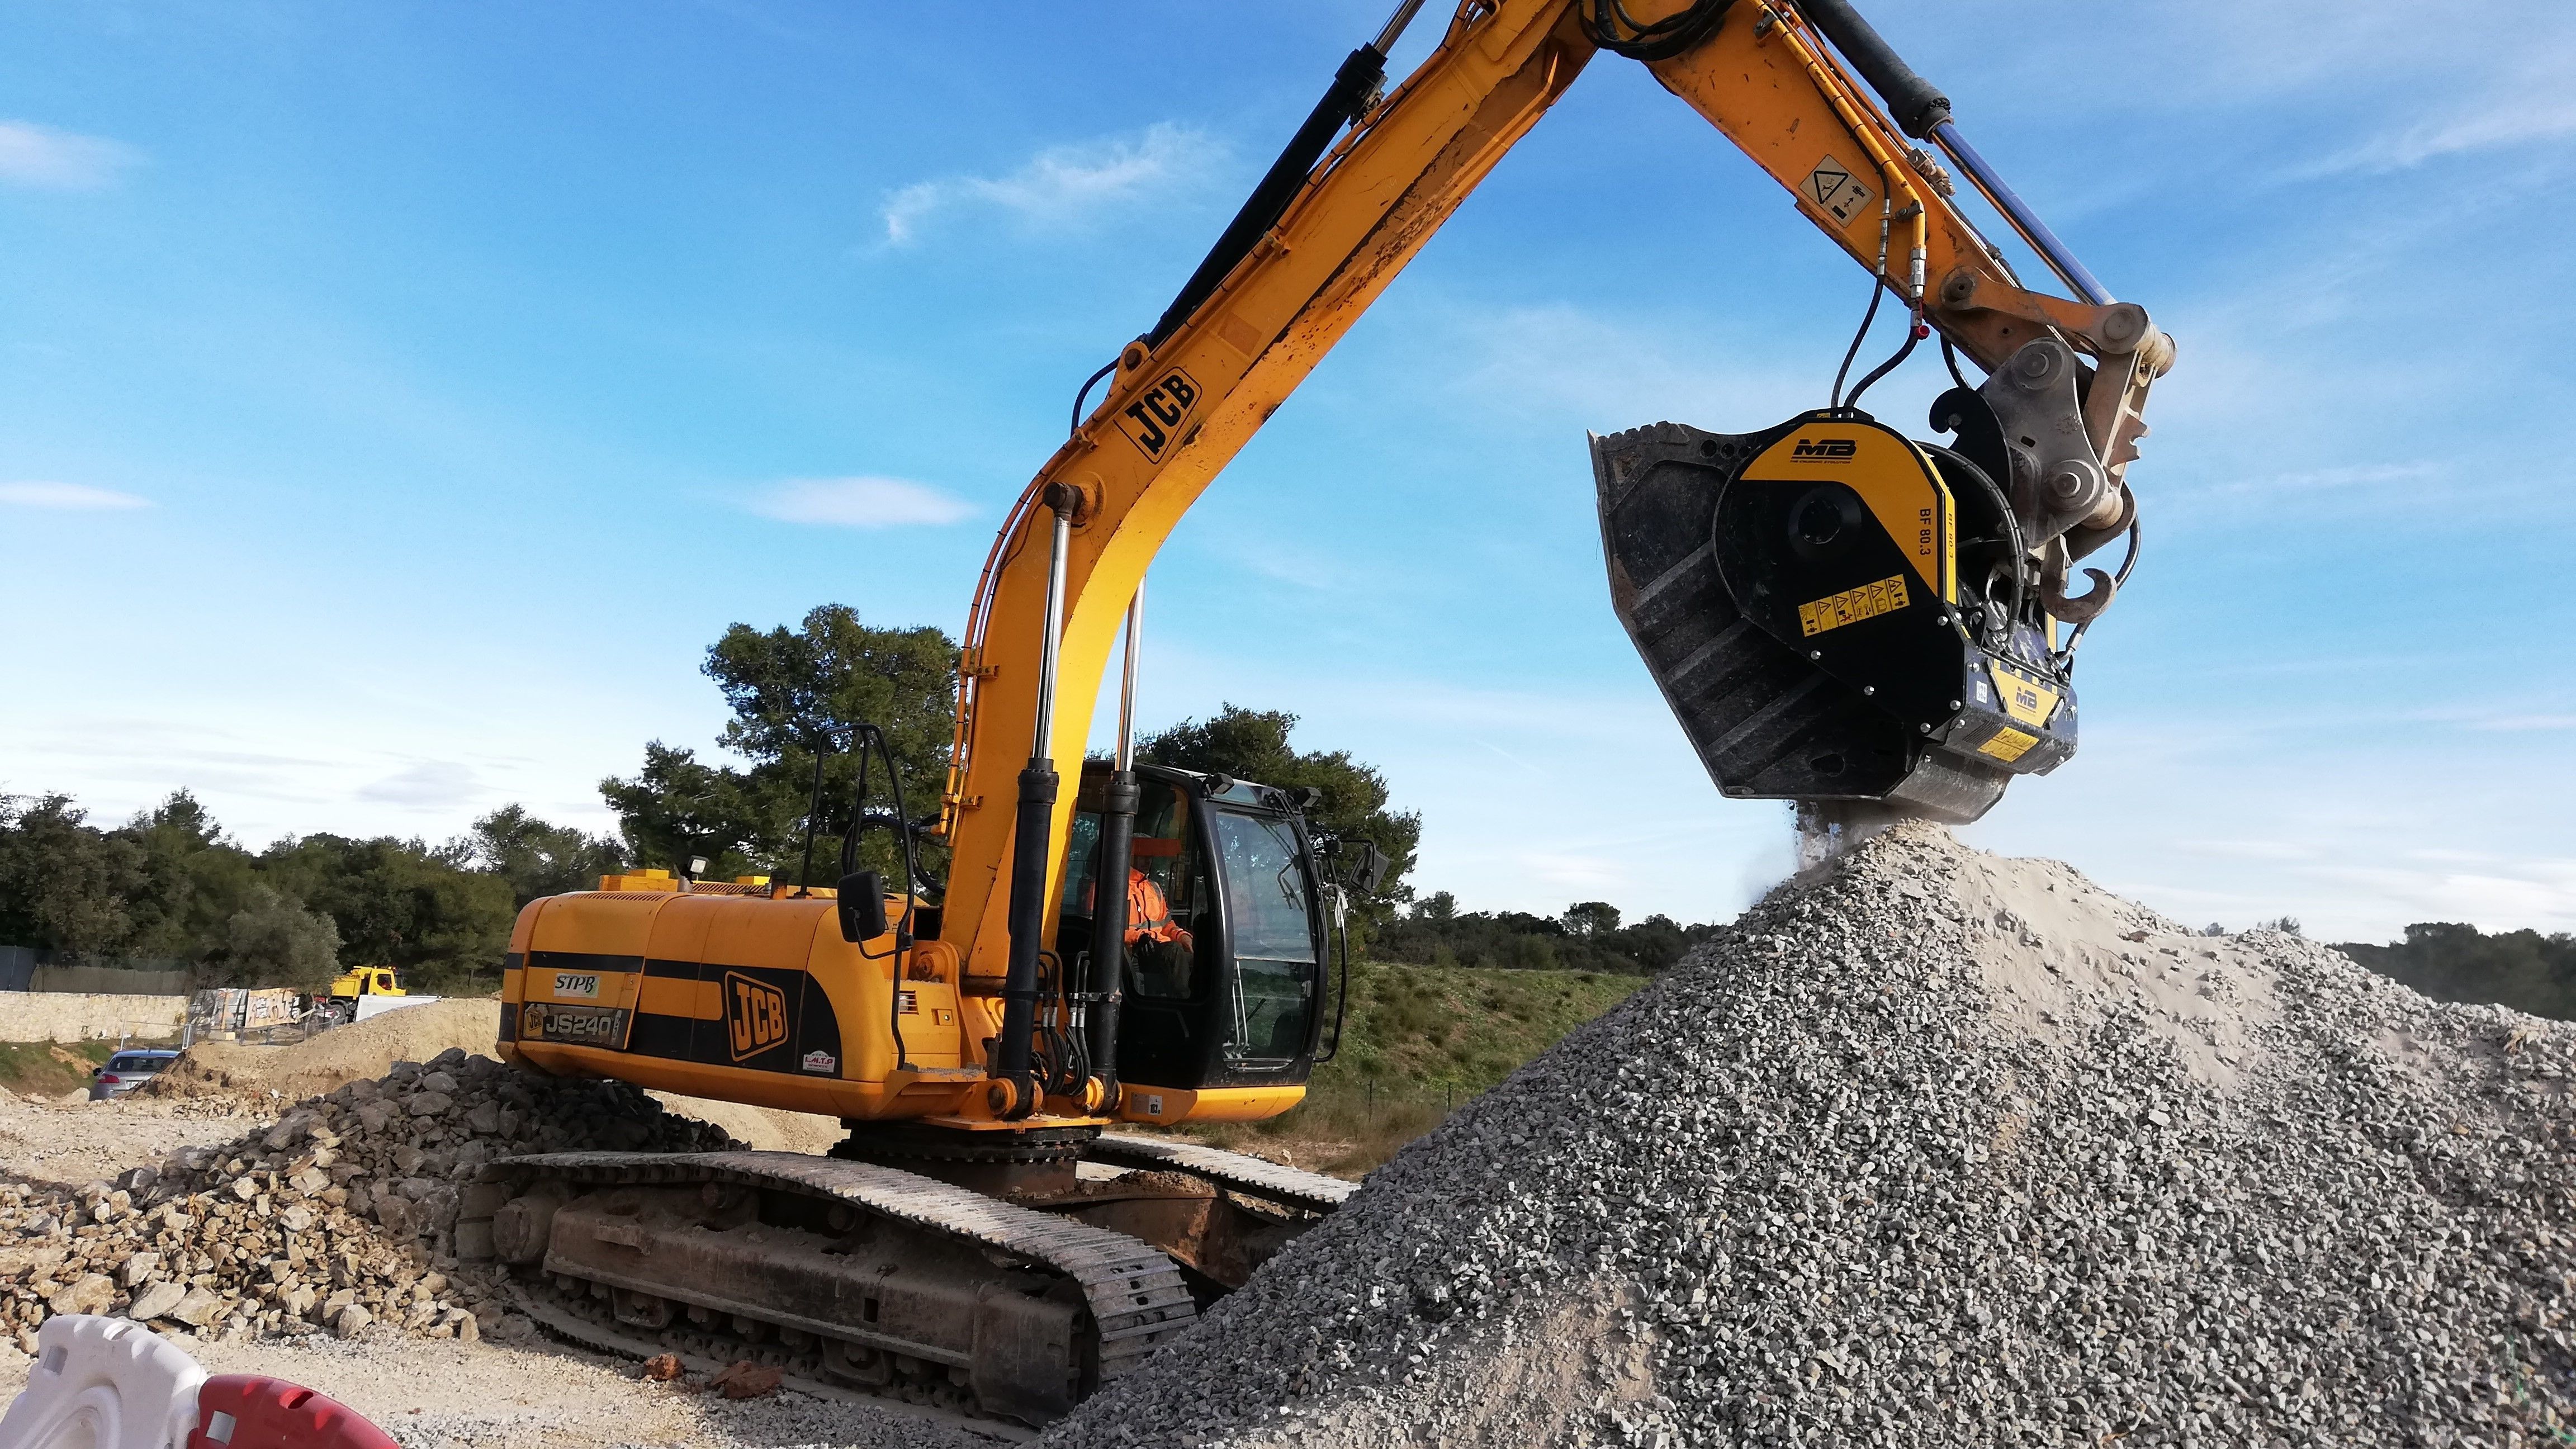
x: 1941, y: 1149
x: 334, y: 1216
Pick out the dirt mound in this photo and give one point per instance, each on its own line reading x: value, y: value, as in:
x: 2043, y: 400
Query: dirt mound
x: 338, y: 1216
x: 357, y: 1052
x: 369, y: 1049
x: 1944, y: 1149
x: 765, y: 1128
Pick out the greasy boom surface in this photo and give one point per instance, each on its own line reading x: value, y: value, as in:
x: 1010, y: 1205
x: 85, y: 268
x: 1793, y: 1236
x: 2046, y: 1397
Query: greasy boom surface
x: 1941, y: 1149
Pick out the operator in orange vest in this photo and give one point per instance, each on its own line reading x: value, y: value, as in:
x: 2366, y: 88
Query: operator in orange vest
x: 1149, y: 916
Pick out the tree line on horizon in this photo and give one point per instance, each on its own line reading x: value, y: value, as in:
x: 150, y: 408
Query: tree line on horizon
x: 169, y: 886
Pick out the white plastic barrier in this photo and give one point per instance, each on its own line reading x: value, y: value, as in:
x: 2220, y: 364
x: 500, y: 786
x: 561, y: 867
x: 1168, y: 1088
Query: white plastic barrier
x: 377, y: 1006
x: 104, y: 1383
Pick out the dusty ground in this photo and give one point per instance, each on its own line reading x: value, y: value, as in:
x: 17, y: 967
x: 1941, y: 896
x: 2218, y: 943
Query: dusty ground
x: 433, y: 1395
x: 75, y: 1141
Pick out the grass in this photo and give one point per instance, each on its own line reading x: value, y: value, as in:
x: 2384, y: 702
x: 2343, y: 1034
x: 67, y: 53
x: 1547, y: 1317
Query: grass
x: 1419, y: 1042
x: 50, y: 1069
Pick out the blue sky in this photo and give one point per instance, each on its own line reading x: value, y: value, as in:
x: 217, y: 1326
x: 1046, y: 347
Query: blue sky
x: 395, y: 399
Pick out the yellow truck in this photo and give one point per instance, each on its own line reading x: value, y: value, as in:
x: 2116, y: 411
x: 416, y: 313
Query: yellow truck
x: 359, y: 981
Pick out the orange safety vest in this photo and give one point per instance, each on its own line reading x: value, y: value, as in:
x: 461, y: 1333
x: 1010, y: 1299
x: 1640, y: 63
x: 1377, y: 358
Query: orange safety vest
x: 1149, y: 916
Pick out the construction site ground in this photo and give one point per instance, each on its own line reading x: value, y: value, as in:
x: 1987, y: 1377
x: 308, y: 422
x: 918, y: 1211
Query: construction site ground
x: 545, y: 1393
x: 539, y: 1393
x: 1929, y: 1146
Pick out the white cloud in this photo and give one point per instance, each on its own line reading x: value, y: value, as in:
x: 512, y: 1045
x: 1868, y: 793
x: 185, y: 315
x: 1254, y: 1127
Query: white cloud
x: 1559, y: 360
x: 1061, y: 185
x: 33, y: 155
x: 68, y: 497
x: 862, y: 502
x: 2530, y: 105
x: 432, y: 784
x: 2521, y: 722
x: 2347, y: 478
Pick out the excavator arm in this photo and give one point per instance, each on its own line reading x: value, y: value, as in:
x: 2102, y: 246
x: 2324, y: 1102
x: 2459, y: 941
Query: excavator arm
x: 1368, y: 181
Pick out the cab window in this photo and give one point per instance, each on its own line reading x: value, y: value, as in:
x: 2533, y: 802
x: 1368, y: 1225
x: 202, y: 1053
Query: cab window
x: 1268, y: 903
x: 1169, y: 908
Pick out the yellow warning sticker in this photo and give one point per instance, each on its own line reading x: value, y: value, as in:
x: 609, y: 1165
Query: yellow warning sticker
x: 1853, y: 605
x: 2008, y: 745
x: 1835, y: 190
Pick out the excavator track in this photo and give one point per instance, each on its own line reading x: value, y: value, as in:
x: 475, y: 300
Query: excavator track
x: 1286, y: 1186
x: 894, y: 1280
x: 584, y: 1325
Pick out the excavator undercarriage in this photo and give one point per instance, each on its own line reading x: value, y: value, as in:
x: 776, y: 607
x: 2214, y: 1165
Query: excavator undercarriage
x: 1008, y: 1283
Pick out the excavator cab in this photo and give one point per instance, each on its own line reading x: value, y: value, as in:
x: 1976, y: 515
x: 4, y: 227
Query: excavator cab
x: 1225, y: 934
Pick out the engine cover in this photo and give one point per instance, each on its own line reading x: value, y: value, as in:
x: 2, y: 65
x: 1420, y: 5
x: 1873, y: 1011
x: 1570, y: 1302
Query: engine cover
x: 1797, y: 594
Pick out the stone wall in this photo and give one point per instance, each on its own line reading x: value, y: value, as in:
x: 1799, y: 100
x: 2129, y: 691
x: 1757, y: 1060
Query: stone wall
x: 70, y: 1016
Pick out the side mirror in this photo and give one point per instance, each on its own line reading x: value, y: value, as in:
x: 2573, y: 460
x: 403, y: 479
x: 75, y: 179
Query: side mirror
x: 1368, y: 868
x: 862, y: 902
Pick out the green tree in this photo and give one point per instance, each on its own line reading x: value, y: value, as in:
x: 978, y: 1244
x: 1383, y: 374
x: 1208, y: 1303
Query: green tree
x: 274, y: 941
x: 399, y: 903
x: 538, y: 859
x: 1253, y: 745
x: 1591, y: 918
x: 194, y: 881
x: 795, y: 692
x: 64, y: 886
x: 2453, y: 962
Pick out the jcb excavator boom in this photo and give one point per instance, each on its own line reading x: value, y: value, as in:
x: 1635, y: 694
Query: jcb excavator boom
x: 1837, y: 613
x: 1324, y: 234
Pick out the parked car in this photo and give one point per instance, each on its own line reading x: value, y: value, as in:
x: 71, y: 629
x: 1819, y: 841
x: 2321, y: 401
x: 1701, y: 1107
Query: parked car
x: 126, y: 1071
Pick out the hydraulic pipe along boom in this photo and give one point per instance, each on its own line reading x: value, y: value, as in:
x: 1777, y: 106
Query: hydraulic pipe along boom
x: 1035, y: 839
x: 1109, y: 881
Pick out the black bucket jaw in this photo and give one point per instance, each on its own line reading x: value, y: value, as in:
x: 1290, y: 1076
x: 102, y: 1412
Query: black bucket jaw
x: 1833, y: 613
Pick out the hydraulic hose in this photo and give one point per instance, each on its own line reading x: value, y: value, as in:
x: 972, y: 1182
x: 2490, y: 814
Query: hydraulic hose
x: 1916, y: 104
x: 1109, y: 880
x: 1031, y: 842
x: 1345, y: 100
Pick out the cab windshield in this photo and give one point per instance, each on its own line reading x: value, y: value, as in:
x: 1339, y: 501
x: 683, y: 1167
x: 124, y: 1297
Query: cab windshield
x: 1267, y: 908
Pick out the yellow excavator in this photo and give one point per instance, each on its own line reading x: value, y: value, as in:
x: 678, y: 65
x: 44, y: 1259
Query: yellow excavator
x: 1838, y: 614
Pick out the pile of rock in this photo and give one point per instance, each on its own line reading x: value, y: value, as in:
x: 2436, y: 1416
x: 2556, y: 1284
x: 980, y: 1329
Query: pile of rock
x: 1942, y: 1149
x: 339, y: 1215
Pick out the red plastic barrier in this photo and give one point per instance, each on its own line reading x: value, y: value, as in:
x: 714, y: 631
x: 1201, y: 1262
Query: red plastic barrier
x: 254, y: 1411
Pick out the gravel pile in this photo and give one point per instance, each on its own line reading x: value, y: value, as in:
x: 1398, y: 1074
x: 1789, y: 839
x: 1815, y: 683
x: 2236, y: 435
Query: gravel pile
x: 337, y: 1216
x: 1941, y: 1149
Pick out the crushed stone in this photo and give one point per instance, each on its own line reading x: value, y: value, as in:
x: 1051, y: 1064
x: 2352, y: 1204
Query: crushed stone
x: 336, y: 1218
x: 1941, y: 1149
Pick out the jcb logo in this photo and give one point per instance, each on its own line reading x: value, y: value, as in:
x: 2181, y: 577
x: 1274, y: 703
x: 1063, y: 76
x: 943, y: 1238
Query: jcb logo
x: 755, y: 1013
x: 1154, y: 419
x: 1824, y: 450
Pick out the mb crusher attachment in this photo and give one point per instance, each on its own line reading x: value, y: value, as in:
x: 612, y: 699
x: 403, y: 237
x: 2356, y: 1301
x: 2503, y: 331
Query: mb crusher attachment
x: 1837, y: 613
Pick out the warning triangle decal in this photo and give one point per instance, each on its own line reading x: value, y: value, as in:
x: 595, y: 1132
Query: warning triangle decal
x: 1827, y: 181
